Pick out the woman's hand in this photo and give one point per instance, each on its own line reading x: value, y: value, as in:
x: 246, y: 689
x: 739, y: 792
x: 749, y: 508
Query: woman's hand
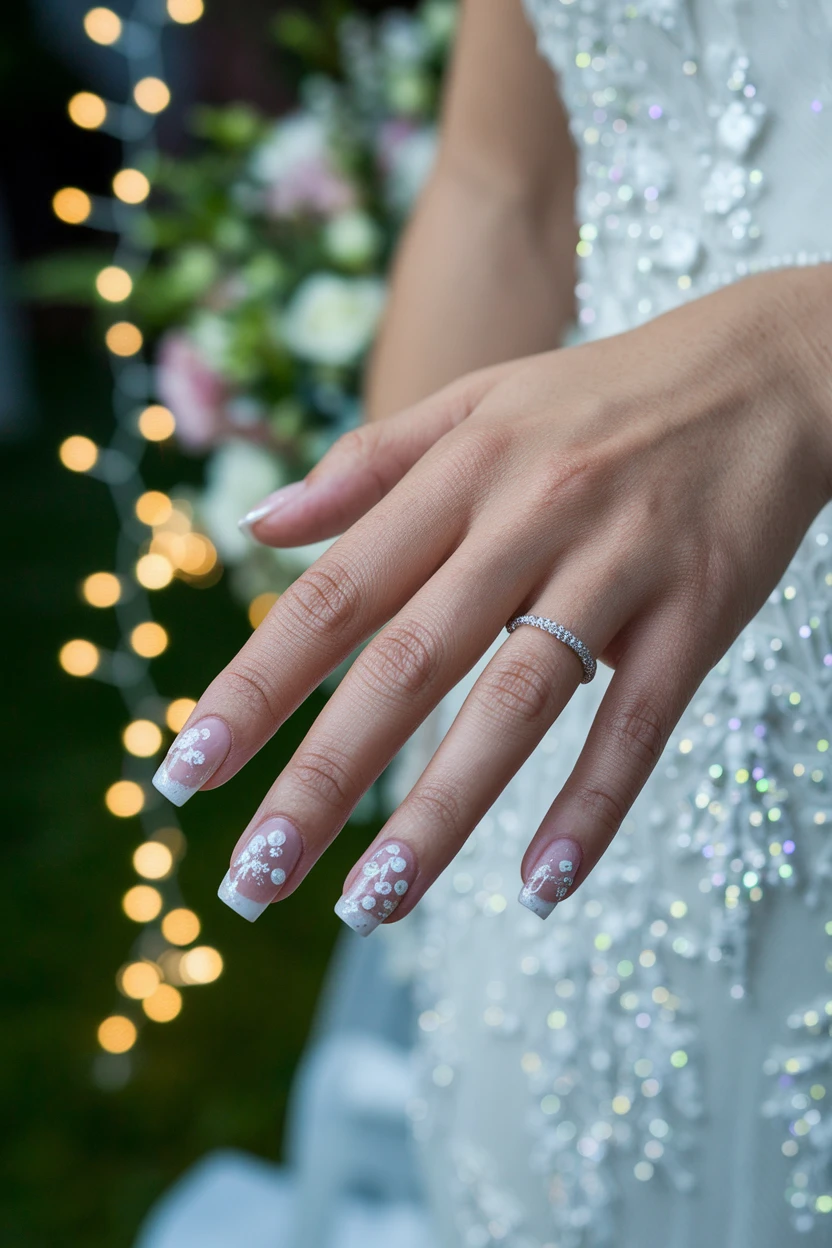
x: 647, y: 491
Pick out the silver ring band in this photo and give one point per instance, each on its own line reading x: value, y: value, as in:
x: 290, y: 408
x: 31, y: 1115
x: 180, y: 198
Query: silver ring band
x: 563, y: 634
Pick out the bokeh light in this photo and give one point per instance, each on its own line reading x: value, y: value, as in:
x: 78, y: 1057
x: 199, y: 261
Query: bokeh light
x: 71, y: 205
x: 79, y: 658
x: 102, y: 26
x: 151, y: 94
x: 124, y: 798
x: 260, y: 607
x: 131, y: 186
x: 114, y: 284
x: 142, y: 738
x: 87, y: 110
x: 154, y: 571
x: 156, y: 423
x: 185, y: 11
x: 123, y: 338
x: 201, y: 965
x: 164, y: 1004
x: 141, y: 903
x: 178, y: 713
x: 153, y: 507
x: 180, y: 926
x: 117, y: 1034
x: 78, y: 453
x: 102, y: 589
x: 153, y: 860
x: 139, y: 980
x: 149, y: 639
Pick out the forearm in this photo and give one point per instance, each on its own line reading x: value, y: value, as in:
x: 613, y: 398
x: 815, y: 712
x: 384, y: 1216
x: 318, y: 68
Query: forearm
x: 483, y: 274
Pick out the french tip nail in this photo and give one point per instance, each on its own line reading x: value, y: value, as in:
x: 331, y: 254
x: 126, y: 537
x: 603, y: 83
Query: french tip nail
x: 177, y: 794
x: 359, y: 921
x: 534, y: 903
x: 247, y: 522
x: 243, y: 906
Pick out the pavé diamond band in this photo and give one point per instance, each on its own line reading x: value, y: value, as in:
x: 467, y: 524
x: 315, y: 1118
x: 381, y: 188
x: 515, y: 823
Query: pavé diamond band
x: 563, y: 634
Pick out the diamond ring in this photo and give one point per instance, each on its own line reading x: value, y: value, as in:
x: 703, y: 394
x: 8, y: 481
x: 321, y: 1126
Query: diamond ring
x: 563, y: 634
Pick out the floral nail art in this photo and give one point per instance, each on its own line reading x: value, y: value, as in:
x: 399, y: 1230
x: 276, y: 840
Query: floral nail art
x: 260, y: 870
x: 192, y: 759
x: 552, y: 878
x: 384, y: 880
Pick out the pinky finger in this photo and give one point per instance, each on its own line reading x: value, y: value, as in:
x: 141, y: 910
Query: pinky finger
x: 642, y: 704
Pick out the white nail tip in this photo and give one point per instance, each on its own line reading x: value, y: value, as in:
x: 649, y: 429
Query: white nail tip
x: 244, y: 906
x: 251, y: 517
x: 356, y: 917
x: 535, y: 903
x: 175, y: 792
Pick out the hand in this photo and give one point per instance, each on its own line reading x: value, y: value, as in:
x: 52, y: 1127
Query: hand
x: 647, y: 491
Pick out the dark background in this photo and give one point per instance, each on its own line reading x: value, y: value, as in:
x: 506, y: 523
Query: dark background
x: 82, y: 1164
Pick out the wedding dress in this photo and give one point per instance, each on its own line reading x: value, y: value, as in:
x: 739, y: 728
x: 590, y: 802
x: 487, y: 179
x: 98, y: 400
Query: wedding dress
x: 652, y: 1066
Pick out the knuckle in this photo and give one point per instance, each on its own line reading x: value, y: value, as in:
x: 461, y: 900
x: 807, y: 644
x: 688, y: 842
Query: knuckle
x: 517, y: 689
x: 254, y: 688
x: 604, y: 807
x: 470, y: 459
x: 642, y: 729
x: 324, y: 599
x: 403, y: 659
x: 327, y: 776
x: 437, y: 805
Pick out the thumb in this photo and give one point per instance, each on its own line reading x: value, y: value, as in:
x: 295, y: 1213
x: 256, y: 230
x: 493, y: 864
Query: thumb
x: 364, y: 465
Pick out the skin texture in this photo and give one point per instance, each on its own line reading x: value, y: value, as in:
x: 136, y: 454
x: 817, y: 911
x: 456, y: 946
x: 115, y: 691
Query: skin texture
x: 648, y: 490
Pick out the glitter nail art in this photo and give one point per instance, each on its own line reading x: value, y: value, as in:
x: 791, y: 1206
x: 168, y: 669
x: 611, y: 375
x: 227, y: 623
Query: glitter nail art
x: 261, y: 868
x: 382, y: 883
x: 552, y: 878
x: 192, y: 759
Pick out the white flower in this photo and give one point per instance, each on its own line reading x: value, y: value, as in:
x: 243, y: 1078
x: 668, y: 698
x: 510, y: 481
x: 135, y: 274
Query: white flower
x: 238, y: 475
x: 294, y: 140
x: 352, y: 238
x: 331, y: 319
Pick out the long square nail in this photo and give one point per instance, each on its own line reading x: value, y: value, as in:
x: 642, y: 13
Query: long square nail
x: 260, y: 870
x: 192, y: 760
x: 552, y: 877
x: 382, y: 882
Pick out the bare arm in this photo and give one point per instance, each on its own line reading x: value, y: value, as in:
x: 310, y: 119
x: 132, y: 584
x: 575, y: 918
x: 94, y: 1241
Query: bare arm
x: 484, y: 272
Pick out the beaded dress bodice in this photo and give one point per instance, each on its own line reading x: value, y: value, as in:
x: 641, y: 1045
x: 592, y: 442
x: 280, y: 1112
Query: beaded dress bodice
x: 652, y: 1068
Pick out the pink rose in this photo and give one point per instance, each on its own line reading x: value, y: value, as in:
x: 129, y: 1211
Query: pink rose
x: 195, y: 394
x: 311, y: 186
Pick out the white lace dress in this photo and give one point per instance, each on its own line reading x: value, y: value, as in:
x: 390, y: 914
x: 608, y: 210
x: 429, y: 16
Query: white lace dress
x: 652, y: 1067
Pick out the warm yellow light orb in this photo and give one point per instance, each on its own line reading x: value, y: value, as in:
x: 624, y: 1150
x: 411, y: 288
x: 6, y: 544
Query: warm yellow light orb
x: 201, y: 965
x: 71, y: 205
x: 260, y: 607
x: 124, y: 798
x: 131, y: 186
x: 198, y: 555
x: 180, y: 926
x: 153, y: 860
x: 185, y: 11
x: 79, y: 658
x: 87, y: 110
x: 154, y: 571
x: 139, y: 980
x: 123, y: 338
x: 142, y: 903
x: 114, y: 284
x: 102, y: 26
x: 164, y: 1004
x: 142, y: 738
x: 149, y: 639
x: 117, y: 1034
x: 102, y: 589
x: 78, y: 453
x: 153, y: 507
x: 156, y: 423
x: 178, y: 713
x: 152, y: 95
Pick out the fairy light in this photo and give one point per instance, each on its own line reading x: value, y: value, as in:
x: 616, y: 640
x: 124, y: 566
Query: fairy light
x: 260, y: 607
x: 170, y: 547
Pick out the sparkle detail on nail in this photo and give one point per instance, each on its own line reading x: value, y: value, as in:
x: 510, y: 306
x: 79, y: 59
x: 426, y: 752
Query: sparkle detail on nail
x: 559, y: 878
x: 256, y: 868
x: 184, y: 750
x: 374, y: 896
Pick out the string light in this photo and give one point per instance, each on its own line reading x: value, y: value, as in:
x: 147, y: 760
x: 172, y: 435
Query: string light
x: 260, y: 607
x: 171, y: 549
x: 103, y: 26
x: 71, y: 205
x: 131, y: 186
x: 78, y: 453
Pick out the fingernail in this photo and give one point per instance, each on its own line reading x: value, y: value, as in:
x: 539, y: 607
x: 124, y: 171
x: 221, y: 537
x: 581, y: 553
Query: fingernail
x: 271, y: 504
x: 383, y: 881
x: 262, y: 867
x: 192, y: 760
x: 552, y: 877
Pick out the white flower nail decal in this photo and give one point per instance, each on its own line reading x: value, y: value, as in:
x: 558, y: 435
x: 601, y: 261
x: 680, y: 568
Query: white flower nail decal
x: 379, y: 888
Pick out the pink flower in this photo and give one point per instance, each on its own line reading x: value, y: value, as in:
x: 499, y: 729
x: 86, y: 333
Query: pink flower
x: 310, y: 187
x: 195, y: 394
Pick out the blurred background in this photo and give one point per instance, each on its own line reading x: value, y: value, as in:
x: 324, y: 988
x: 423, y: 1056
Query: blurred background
x: 197, y: 206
